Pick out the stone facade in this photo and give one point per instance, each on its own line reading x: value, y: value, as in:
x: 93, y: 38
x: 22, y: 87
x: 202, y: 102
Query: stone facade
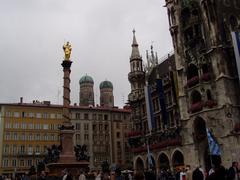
x: 207, y: 76
x: 207, y: 86
x: 104, y: 131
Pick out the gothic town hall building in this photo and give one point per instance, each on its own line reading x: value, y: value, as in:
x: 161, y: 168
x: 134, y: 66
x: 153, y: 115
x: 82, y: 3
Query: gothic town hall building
x: 200, y: 85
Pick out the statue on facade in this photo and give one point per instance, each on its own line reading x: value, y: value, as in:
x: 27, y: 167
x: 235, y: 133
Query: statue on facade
x: 81, y: 152
x: 67, y: 48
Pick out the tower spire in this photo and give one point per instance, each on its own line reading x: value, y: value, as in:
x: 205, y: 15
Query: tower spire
x: 135, y: 51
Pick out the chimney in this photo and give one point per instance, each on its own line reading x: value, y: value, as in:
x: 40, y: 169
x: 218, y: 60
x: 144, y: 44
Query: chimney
x: 21, y: 100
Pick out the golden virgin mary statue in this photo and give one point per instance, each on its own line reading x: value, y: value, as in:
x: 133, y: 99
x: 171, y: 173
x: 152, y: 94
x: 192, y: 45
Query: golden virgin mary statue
x: 67, y: 48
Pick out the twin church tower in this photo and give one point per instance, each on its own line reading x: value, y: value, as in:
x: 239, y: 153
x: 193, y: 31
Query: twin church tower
x: 86, y: 94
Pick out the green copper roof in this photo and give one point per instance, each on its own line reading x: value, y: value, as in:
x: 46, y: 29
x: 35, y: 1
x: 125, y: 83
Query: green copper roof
x: 106, y: 84
x: 86, y: 79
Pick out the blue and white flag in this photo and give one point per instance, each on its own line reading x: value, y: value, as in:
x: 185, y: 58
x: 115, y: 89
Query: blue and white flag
x: 236, y: 45
x: 214, y: 147
x: 150, y: 161
x: 149, y: 107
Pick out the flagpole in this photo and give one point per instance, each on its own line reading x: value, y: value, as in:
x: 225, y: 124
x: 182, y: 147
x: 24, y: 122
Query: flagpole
x: 214, y: 148
x: 209, y: 151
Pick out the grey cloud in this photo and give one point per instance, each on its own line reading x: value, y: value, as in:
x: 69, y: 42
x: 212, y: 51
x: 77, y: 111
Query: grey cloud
x: 33, y: 32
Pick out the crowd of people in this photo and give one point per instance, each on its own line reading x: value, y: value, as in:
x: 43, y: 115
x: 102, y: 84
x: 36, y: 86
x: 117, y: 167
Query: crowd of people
x: 217, y: 172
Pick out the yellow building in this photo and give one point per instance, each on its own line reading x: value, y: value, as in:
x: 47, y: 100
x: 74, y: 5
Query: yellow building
x: 26, y: 131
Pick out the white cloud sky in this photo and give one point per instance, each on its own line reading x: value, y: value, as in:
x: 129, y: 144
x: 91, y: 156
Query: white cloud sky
x: 100, y: 31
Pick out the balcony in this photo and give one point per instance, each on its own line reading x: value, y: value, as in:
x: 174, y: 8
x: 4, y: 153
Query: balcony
x: 210, y: 103
x: 237, y: 127
x: 193, y: 81
x: 196, y: 107
x: 139, y: 149
x: 205, y: 77
x: 134, y: 134
x: 135, y: 75
x: 162, y: 144
x: 168, y: 142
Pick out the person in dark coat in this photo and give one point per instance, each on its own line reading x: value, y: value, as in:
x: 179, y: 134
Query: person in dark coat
x: 197, y: 174
x: 232, y: 173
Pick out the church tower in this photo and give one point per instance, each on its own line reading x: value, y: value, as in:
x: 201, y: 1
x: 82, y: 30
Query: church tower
x: 208, y: 90
x: 106, y: 94
x: 136, y: 75
x: 86, y: 94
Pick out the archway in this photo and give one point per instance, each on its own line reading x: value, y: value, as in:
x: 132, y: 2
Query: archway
x: 177, y: 159
x: 163, y: 162
x: 201, y: 142
x: 200, y: 139
x: 199, y: 127
x: 139, y: 165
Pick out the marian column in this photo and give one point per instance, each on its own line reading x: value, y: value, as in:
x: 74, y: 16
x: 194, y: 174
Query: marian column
x: 67, y: 158
x: 67, y: 129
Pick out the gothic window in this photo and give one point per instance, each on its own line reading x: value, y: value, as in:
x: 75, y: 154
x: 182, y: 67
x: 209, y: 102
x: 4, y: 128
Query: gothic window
x: 133, y: 66
x: 227, y: 2
x: 195, y: 13
x: 169, y: 18
x: 209, y: 95
x: 197, y: 30
x: 233, y: 22
x: 196, y: 97
x: 237, y: 3
x: 205, y: 7
x: 173, y: 19
x: 188, y: 34
x: 137, y: 66
x: 185, y: 15
x: 192, y: 71
x: 205, y: 68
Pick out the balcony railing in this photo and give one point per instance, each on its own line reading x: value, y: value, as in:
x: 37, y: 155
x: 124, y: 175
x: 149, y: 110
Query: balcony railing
x: 205, y: 77
x: 162, y: 144
x: 134, y: 133
x: 196, y: 107
x: 210, y: 103
x: 237, y: 127
x: 193, y: 81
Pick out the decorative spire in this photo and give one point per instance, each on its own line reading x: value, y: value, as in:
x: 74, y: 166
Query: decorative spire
x: 135, y: 51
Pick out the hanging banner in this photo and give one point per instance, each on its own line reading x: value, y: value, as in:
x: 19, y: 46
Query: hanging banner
x: 236, y: 45
x: 162, y: 102
x: 149, y: 107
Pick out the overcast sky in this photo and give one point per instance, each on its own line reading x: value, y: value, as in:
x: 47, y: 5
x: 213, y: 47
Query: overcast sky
x: 100, y: 31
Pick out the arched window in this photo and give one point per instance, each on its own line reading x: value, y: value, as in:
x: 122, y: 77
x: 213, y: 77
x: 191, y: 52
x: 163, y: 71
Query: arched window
x: 192, y: 71
x: 163, y: 161
x: 233, y: 22
x: 237, y: 2
x: 196, y: 97
x: 139, y: 164
x: 205, y: 68
x: 173, y: 19
x: 177, y: 159
x: 185, y: 15
x: 209, y: 95
x: 199, y: 127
